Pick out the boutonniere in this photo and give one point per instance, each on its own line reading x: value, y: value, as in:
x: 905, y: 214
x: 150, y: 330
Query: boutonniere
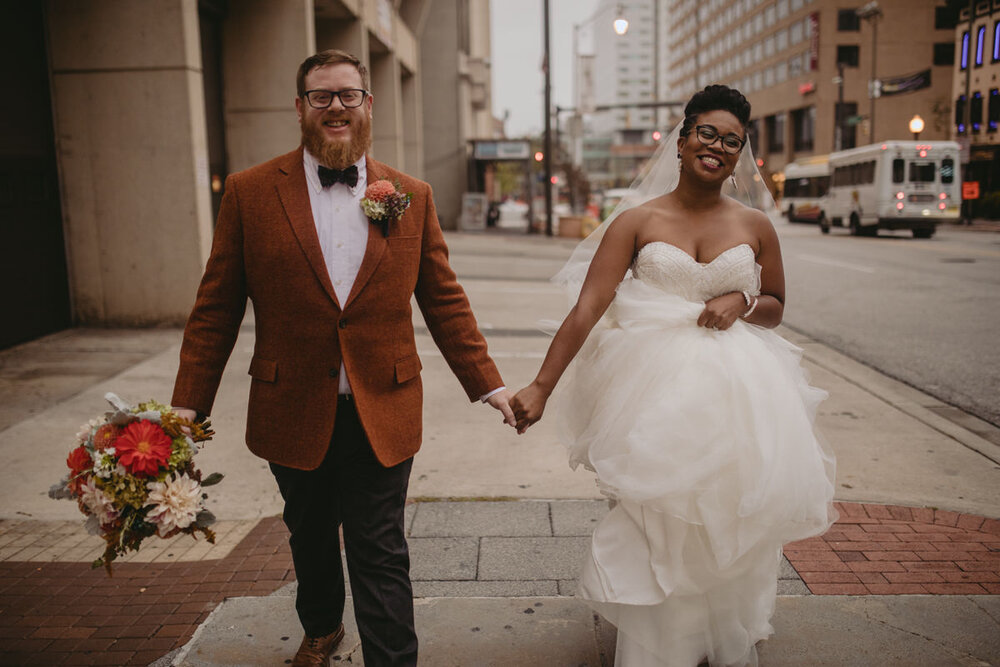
x: 383, y: 203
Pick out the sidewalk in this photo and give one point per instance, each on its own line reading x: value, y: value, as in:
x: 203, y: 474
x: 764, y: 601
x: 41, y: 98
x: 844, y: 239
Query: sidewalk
x: 909, y: 575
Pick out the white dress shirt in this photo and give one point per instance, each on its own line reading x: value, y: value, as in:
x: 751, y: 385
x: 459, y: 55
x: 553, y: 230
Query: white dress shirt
x: 342, y: 228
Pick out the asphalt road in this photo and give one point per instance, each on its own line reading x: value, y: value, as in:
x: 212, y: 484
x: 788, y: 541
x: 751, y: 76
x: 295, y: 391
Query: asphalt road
x: 922, y: 311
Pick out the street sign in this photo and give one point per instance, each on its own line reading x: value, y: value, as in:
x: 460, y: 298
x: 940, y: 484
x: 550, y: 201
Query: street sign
x: 854, y: 120
x: 970, y: 190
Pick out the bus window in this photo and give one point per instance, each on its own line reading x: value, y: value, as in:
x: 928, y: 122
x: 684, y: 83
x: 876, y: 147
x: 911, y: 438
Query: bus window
x: 822, y: 185
x: 898, y: 170
x: 922, y: 172
x: 947, y: 170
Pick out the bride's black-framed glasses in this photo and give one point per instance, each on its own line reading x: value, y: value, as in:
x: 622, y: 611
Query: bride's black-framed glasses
x: 349, y: 98
x: 707, y: 135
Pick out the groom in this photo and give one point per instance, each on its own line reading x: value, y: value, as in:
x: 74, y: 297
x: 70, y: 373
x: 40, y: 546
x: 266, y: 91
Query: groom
x: 335, y: 397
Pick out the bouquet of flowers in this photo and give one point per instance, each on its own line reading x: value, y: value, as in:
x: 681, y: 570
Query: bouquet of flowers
x: 383, y: 203
x: 133, y: 476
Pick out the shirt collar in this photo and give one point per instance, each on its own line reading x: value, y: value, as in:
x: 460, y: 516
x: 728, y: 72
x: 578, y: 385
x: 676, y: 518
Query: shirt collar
x: 311, y: 165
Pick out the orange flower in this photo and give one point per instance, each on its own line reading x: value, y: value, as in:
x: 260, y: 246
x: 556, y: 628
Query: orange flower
x: 106, y: 436
x: 143, y: 447
x: 379, y: 190
x: 79, y: 462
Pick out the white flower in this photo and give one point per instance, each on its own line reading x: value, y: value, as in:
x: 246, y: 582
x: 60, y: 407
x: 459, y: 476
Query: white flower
x: 175, y: 503
x: 87, y: 430
x: 98, y: 503
x: 104, y: 463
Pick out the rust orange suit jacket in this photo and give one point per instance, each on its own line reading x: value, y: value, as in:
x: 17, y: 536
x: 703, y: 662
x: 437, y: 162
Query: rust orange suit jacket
x: 266, y: 249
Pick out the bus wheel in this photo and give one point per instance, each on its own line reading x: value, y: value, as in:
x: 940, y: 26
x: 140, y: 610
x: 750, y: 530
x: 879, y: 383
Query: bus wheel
x: 824, y: 224
x: 923, y: 233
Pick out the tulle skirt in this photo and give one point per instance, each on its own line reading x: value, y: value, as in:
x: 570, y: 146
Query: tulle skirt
x: 706, y: 440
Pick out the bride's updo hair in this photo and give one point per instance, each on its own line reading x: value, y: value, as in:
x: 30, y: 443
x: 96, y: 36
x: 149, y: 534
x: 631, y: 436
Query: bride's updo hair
x: 716, y: 97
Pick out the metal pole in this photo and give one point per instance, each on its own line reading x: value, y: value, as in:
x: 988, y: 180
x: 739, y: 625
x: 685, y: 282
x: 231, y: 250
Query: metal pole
x: 656, y: 62
x: 838, y: 128
x: 548, y: 126
x: 871, y: 113
x: 967, y: 111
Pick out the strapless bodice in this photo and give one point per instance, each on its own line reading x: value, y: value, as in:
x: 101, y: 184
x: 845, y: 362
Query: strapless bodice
x: 674, y: 271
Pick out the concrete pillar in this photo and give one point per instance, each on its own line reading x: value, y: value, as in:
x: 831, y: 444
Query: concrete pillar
x: 387, y: 125
x: 413, y: 130
x: 129, y: 120
x: 264, y: 42
x: 345, y: 34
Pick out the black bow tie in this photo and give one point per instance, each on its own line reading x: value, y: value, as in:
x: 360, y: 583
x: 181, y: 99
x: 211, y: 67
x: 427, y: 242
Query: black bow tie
x: 348, y: 177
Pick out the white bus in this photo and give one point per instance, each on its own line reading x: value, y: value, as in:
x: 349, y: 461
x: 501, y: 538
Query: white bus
x: 806, y: 182
x: 893, y: 185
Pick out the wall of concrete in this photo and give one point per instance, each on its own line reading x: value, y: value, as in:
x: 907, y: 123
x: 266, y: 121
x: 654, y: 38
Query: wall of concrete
x: 133, y: 157
x: 263, y: 44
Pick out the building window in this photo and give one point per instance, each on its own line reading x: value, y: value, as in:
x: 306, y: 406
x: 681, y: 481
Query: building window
x: 976, y: 111
x: 993, y: 111
x: 960, y: 114
x: 965, y: 49
x: 980, y: 39
x: 847, y: 55
x: 803, y: 129
x: 996, y: 41
x: 775, y: 132
x: 848, y: 21
x: 944, y: 19
x: 944, y: 53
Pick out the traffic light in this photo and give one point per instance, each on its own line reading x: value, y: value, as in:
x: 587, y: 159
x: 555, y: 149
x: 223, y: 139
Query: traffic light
x: 539, y: 156
x: 657, y: 136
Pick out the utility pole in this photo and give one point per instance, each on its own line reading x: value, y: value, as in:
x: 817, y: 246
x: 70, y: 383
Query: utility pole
x: 548, y: 125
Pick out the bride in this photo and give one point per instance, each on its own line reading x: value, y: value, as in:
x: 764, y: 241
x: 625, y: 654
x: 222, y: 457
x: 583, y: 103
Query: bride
x: 695, y: 416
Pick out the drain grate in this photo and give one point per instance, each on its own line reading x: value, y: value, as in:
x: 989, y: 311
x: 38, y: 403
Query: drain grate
x: 958, y: 260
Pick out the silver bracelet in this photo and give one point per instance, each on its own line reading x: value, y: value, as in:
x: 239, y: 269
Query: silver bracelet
x: 753, y: 307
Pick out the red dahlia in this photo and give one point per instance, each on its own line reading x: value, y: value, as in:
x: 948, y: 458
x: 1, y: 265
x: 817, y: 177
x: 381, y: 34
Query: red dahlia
x: 143, y: 447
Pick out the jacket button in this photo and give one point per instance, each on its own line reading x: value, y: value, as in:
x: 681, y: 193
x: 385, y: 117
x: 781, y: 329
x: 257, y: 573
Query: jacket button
x: 334, y: 372
x: 342, y: 324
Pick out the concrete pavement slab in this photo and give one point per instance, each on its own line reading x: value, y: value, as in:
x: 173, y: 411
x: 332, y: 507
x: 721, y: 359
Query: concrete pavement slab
x: 532, y: 557
x: 577, y: 517
x: 481, y: 519
x: 443, y: 558
x: 902, y: 631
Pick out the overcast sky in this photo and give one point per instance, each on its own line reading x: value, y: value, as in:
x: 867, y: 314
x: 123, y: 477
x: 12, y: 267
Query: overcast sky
x: 518, y: 85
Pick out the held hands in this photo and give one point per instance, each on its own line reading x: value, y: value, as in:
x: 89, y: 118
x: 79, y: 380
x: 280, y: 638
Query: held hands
x: 528, y: 405
x: 501, y: 401
x: 185, y: 413
x: 722, y: 311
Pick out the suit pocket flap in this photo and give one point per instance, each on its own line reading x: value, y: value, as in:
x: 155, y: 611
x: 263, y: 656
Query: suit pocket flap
x: 408, y: 368
x: 264, y: 370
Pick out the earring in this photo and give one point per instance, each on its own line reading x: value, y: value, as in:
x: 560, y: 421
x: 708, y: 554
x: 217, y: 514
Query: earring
x: 678, y: 154
x: 732, y: 177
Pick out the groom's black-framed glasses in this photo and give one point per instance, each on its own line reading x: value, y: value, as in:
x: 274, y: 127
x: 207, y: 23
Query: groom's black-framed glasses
x: 731, y: 143
x: 322, y: 99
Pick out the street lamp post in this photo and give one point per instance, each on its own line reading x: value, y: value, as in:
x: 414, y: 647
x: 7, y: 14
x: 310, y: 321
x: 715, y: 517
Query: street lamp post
x: 872, y: 12
x: 548, y: 125
x: 916, y: 126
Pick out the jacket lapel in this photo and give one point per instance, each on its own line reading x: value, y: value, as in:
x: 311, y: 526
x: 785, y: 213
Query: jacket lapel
x: 293, y: 191
x: 376, y: 242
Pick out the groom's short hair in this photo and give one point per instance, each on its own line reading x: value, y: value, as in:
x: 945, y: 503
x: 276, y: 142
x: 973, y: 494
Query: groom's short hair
x: 329, y: 57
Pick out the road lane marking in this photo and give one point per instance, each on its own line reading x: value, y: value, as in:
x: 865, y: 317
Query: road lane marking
x: 833, y: 262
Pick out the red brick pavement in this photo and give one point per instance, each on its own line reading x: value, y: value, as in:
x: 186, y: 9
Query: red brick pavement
x: 892, y: 550
x: 69, y: 614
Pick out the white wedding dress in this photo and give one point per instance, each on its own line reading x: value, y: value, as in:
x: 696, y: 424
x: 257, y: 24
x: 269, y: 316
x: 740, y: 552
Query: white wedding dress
x: 706, y: 440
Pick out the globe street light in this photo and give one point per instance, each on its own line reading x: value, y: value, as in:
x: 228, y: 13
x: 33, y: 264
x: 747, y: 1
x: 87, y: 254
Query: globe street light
x: 916, y: 126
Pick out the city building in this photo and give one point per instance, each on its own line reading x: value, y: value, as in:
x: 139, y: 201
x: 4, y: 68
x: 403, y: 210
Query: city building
x: 806, y: 67
x: 975, y: 124
x: 620, y: 71
x: 130, y: 115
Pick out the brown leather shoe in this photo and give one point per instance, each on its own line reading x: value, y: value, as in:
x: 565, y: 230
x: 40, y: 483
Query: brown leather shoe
x: 315, y: 651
